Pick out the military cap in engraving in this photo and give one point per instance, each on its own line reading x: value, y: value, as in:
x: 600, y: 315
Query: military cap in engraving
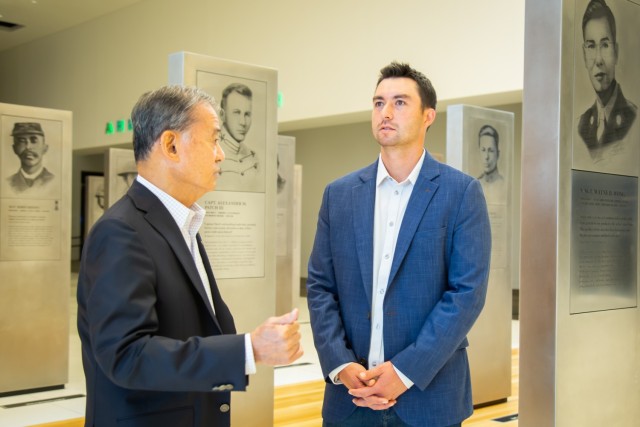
x: 26, y: 129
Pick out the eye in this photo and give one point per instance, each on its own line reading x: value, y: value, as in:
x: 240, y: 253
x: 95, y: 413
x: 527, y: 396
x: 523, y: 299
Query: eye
x: 400, y: 102
x: 378, y: 104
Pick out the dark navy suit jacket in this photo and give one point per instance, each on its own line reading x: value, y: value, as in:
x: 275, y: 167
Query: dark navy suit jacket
x: 436, y: 289
x: 153, y: 352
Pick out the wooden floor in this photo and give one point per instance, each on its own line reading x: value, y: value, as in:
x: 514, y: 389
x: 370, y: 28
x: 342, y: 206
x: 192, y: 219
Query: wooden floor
x: 300, y: 405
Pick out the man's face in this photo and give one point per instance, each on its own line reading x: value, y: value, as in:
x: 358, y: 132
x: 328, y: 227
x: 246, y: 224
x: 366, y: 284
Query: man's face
x: 202, y: 154
x: 30, y: 148
x: 398, y: 118
x: 237, y: 115
x: 600, y: 53
x: 488, y: 153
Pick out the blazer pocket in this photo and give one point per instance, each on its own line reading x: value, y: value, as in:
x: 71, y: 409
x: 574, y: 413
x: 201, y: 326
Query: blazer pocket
x: 168, y: 418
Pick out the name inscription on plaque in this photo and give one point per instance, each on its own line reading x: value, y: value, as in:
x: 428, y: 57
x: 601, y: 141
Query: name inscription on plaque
x: 604, y: 226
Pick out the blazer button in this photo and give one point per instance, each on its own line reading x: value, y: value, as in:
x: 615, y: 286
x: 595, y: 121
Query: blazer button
x: 224, y: 408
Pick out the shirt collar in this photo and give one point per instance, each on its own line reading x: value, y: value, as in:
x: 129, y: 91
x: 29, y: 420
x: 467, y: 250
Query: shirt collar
x: 412, y: 178
x: 31, y: 175
x: 188, y: 219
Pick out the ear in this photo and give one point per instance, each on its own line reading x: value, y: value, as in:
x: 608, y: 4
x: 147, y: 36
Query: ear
x: 429, y: 116
x: 169, y: 141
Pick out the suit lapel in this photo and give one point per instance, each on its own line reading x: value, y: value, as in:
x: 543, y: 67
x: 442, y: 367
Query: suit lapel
x: 161, y: 220
x: 220, y: 307
x: 363, y: 198
x: 421, y: 196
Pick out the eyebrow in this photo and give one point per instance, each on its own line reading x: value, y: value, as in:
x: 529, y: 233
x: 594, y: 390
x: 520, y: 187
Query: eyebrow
x: 400, y: 96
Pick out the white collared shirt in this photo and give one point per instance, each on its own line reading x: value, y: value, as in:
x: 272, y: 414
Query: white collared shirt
x: 31, y: 175
x: 604, y: 111
x: 392, y: 199
x: 189, y: 221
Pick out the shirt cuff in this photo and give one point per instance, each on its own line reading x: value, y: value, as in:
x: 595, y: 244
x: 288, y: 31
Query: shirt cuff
x: 333, y: 375
x: 249, y: 360
x: 406, y: 381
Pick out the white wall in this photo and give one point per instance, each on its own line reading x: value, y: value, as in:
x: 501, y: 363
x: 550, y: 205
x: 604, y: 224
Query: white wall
x: 327, y: 54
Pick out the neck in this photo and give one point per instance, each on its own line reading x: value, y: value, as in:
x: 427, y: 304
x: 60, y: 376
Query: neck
x: 606, y: 94
x: 400, y: 163
x: 165, y: 181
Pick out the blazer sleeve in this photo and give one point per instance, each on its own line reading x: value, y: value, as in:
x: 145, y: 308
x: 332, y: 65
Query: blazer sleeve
x: 322, y: 297
x: 117, y: 307
x: 448, y: 324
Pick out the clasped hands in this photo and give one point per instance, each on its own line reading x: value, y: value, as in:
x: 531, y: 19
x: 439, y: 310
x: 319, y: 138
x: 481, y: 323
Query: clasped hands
x: 376, y: 388
x: 277, y: 340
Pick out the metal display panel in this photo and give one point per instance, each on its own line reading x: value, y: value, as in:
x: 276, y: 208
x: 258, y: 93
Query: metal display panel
x: 286, y: 284
x: 94, y: 200
x: 239, y: 232
x: 119, y: 173
x: 480, y: 143
x: 35, y: 251
x: 579, y: 346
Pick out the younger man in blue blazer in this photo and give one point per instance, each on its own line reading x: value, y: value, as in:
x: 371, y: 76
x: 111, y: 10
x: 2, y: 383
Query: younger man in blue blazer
x: 398, y: 273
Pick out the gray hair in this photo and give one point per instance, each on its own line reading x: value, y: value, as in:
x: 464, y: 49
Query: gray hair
x: 167, y: 108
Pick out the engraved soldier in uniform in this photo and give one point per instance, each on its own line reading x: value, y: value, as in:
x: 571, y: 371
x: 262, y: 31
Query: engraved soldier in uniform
x: 604, y: 127
x: 30, y: 147
x: 492, y: 181
x: 240, y: 170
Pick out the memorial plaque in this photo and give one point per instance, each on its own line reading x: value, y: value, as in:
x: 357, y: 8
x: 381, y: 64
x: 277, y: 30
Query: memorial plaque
x: 35, y: 236
x: 30, y: 230
x: 233, y: 233
x: 480, y: 143
x: 604, y: 242
x: 239, y: 230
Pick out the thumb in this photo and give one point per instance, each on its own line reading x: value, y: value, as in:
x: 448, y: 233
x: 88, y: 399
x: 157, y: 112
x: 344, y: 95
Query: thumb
x: 371, y: 374
x: 286, y: 319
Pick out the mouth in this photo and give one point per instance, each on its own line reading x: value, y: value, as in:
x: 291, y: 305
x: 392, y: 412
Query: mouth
x: 599, y: 76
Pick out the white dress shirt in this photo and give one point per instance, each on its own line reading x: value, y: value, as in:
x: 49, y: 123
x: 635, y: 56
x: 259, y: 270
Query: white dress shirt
x: 189, y: 220
x: 392, y: 198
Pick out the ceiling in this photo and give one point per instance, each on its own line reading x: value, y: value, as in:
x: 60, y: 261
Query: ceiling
x: 40, y: 18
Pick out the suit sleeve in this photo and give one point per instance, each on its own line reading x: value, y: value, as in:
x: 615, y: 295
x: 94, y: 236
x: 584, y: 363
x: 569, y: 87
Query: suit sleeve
x: 322, y: 297
x: 448, y: 324
x: 117, y: 306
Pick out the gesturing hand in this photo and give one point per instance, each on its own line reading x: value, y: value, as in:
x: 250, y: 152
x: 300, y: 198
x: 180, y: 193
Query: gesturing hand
x: 277, y: 340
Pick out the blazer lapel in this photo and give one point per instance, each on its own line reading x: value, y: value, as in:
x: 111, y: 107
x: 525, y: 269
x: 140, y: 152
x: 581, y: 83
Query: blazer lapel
x: 363, y: 197
x: 161, y: 220
x: 218, y: 303
x: 421, y: 196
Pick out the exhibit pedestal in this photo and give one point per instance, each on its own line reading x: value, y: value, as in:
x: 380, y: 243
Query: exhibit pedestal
x: 579, y: 317
x: 35, y: 250
x: 480, y: 143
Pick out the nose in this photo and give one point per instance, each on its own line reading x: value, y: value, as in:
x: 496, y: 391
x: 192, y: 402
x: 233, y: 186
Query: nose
x: 219, y: 156
x: 387, y: 111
